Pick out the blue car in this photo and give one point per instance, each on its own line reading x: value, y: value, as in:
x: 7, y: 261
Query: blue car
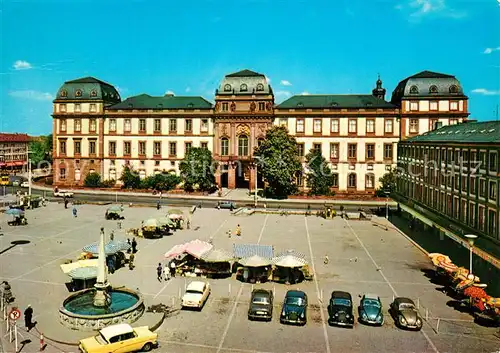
x: 294, y: 308
x: 370, y: 310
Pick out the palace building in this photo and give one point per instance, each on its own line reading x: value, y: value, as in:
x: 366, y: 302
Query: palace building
x: 96, y: 131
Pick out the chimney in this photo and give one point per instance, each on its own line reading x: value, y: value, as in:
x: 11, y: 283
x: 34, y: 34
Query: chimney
x: 438, y: 125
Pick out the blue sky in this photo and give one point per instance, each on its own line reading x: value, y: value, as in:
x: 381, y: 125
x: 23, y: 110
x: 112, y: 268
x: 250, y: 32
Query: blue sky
x: 188, y: 46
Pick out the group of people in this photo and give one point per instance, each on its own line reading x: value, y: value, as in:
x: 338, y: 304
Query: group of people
x: 75, y: 211
x: 237, y: 232
x: 8, y: 298
x: 166, y: 272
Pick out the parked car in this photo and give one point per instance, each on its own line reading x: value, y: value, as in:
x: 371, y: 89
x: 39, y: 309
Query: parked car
x: 370, y: 310
x: 228, y: 205
x: 405, y: 314
x: 196, y: 295
x: 25, y: 184
x: 261, y: 305
x: 294, y: 308
x: 120, y: 338
x: 61, y: 193
x: 340, y: 309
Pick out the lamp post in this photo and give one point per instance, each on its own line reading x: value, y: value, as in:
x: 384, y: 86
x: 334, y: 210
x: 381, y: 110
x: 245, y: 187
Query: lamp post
x: 255, y: 194
x: 471, y: 238
x: 29, y: 171
x: 387, y: 193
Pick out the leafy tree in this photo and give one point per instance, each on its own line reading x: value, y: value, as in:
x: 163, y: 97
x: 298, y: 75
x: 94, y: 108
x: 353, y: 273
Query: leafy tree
x: 92, y: 180
x: 278, y: 162
x: 388, y: 183
x: 130, y: 178
x: 161, y: 182
x: 41, y: 151
x: 197, y: 170
x: 319, y: 178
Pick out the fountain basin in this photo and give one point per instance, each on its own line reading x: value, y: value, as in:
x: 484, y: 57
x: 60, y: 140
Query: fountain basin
x: 79, y: 313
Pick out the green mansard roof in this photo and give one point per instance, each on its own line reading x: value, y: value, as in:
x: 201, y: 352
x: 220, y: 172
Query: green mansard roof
x: 466, y: 133
x: 324, y: 101
x: 145, y: 101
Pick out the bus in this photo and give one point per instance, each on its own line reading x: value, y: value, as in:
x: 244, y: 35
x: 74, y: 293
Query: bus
x: 4, y: 179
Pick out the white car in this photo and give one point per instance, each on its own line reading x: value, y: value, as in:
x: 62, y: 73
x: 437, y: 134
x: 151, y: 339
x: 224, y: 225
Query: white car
x: 25, y: 184
x: 196, y: 295
x: 60, y: 193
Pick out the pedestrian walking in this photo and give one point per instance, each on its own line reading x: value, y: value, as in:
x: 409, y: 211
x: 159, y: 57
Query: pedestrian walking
x: 65, y: 202
x: 112, y: 235
x: 326, y: 260
x: 129, y: 246
x: 158, y: 206
x: 7, y: 296
x: 238, y: 230
x: 131, y: 259
x: 75, y: 212
x: 28, y: 316
x: 166, y: 272
x: 229, y: 233
x: 159, y: 272
x: 188, y: 223
x: 172, y: 269
x: 111, y: 264
x: 134, y: 245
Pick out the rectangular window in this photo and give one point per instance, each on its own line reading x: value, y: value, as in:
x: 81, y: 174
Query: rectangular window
x: 172, y: 126
x: 453, y: 121
x: 300, y: 125
x: 112, y: 125
x: 453, y: 105
x: 284, y: 122
x: 262, y: 106
x: 334, y: 151
x: 157, y: 125
x: 93, y: 107
x: 142, y: 148
x: 62, y: 147
x: 224, y: 147
x: 482, y: 188
x: 172, y: 149
x: 481, y: 215
x: 300, y: 149
x: 335, y: 180
x: 242, y: 146
x: 78, y: 147
x: 78, y: 108
x: 127, y: 125
x: 413, y: 126
x: 351, y: 151
x: 204, y: 145
x: 493, y: 162
x: 414, y: 106
x: 225, y: 107
x: 432, y: 124
x: 370, y: 151
x: 433, y: 106
x: 472, y: 214
x: 188, y: 126
x: 204, y: 125
x: 493, y: 190
x: 142, y: 125
x: 472, y: 190
x: 353, y: 126
x: 492, y: 223
x: 370, y: 126
x: 389, y: 126
x: 62, y: 108
x: 127, y: 148
x: 112, y: 148
x: 93, y: 125
x: 92, y: 147
x: 62, y: 173
x: 388, y: 151
x: 62, y: 125
x: 317, y: 126
x: 334, y: 126
x: 78, y: 125
x: 187, y: 146
x: 317, y: 147
x: 157, y: 148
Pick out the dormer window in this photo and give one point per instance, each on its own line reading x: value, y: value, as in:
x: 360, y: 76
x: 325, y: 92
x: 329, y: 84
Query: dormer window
x: 78, y: 93
x: 243, y: 88
x: 260, y: 87
x: 300, y: 105
x: 64, y: 93
x: 433, y: 89
x: 369, y: 104
x: 413, y: 90
x: 227, y: 88
x: 334, y: 104
x: 93, y: 93
x: 453, y: 89
x: 190, y: 105
x: 130, y: 106
x: 160, y: 106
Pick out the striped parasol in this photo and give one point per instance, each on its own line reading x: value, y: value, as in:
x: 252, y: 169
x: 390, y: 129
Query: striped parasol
x: 291, y: 252
x: 83, y: 273
x: 289, y: 261
x: 217, y: 255
x: 110, y: 248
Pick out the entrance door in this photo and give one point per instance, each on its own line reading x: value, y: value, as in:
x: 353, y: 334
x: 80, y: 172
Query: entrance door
x: 224, y: 179
x: 242, y: 175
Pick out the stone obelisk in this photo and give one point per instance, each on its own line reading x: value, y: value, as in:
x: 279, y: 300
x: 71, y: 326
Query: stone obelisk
x: 102, y: 298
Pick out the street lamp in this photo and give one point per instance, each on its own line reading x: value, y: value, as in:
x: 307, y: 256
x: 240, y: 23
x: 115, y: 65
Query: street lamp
x: 471, y: 238
x: 387, y: 193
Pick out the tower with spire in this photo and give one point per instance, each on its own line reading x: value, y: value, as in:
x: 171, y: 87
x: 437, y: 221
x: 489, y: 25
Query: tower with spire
x: 379, y: 91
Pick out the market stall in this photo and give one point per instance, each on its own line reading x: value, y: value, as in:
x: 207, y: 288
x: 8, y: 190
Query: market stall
x: 289, y: 268
x: 254, y: 269
x: 114, y: 213
x: 188, y: 259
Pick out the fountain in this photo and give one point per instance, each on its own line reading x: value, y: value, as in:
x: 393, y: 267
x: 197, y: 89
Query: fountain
x: 101, y: 306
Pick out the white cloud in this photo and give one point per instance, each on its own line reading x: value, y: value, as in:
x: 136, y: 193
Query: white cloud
x: 417, y: 9
x: 32, y: 94
x: 268, y: 80
x: 282, y: 94
x: 485, y: 92
x: 22, y: 65
x: 305, y: 93
x: 285, y: 83
x: 490, y: 50
x: 188, y: 89
x: 170, y: 92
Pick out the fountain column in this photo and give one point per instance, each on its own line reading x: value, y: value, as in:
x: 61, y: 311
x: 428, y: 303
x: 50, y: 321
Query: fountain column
x: 102, y: 298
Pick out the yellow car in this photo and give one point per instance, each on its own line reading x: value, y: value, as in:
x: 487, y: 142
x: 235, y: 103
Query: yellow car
x: 120, y: 338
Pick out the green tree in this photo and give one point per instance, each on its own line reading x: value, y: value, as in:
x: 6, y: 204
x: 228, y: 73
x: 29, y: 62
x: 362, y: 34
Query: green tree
x: 130, y: 178
x: 92, y: 180
x: 319, y: 177
x: 388, y: 183
x: 279, y: 162
x: 197, y: 170
x: 41, y: 152
x: 161, y: 182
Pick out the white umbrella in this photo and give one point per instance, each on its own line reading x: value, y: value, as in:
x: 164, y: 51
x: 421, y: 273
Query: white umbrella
x: 151, y: 223
x: 254, y: 261
x: 289, y: 261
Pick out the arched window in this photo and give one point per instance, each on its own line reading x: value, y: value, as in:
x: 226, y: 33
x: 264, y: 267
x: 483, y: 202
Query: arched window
x: 78, y: 175
x: 351, y: 180
x: 78, y: 93
x: 227, y: 88
x: 260, y: 87
x: 370, y: 181
x: 454, y: 89
x: 433, y: 89
x: 413, y: 90
x: 93, y: 93
x: 224, y: 146
x: 242, y: 145
x: 243, y: 87
x: 64, y: 93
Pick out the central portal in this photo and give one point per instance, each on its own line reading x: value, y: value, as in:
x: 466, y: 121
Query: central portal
x: 242, y: 175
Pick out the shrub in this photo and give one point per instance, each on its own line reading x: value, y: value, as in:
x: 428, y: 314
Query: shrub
x: 92, y: 180
x: 108, y: 183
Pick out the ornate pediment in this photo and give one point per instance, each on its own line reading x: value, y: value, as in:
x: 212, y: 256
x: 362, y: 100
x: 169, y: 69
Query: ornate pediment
x: 243, y: 130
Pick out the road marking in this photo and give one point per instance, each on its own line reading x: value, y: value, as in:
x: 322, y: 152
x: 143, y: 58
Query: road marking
x: 315, y: 277
x: 262, y: 230
x: 209, y: 347
x: 217, y: 231
x: 387, y: 281
x: 161, y: 290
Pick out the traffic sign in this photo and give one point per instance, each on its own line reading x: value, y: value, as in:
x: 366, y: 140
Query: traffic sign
x: 15, y: 314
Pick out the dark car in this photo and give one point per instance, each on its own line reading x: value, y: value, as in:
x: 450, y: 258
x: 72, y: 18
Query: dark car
x: 340, y: 309
x: 294, y: 308
x: 261, y: 305
x: 405, y: 314
x: 370, y: 310
x: 229, y: 205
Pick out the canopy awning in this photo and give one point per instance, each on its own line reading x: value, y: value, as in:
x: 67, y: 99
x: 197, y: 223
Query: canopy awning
x: 247, y: 250
x: 67, y: 268
x: 195, y: 248
x: 110, y: 248
x: 83, y: 273
x: 290, y: 261
x: 217, y: 255
x: 255, y: 261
